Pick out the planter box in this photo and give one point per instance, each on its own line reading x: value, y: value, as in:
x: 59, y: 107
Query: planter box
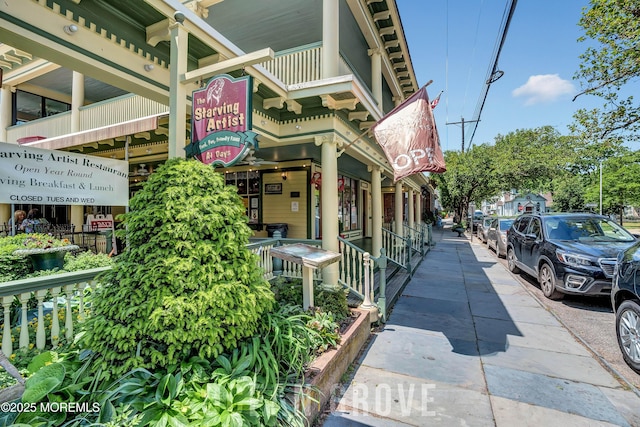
x: 325, y: 372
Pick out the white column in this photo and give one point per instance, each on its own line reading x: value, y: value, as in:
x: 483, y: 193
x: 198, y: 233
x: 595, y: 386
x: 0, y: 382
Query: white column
x: 330, y: 38
x: 399, y: 202
x: 376, y: 75
x: 410, y: 209
x: 77, y: 100
x: 5, y: 122
x: 329, y: 200
x: 419, y: 207
x: 77, y: 218
x: 376, y: 210
x: 5, y: 112
x: 177, y: 92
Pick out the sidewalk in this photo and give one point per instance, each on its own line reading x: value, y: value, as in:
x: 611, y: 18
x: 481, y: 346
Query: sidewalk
x: 467, y: 345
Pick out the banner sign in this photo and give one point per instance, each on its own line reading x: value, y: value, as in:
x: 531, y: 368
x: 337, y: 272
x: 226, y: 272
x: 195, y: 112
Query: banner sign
x: 221, y: 121
x: 409, y: 138
x: 53, y: 177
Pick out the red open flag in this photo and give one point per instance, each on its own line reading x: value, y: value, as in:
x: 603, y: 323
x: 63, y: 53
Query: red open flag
x: 409, y: 138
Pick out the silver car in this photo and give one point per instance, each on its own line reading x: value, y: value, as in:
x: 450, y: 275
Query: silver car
x: 483, y: 228
x: 497, y: 235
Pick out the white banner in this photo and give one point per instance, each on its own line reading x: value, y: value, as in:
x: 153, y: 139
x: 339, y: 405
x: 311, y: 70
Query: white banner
x: 53, y: 177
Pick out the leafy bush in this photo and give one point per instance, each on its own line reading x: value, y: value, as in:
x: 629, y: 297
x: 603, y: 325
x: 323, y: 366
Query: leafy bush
x: 187, y: 285
x: 330, y: 299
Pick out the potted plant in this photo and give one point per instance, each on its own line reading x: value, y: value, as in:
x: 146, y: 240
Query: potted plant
x: 45, y: 251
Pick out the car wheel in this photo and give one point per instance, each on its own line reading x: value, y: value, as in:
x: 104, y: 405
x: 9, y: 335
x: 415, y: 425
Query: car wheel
x: 511, y: 261
x: 628, y: 332
x: 547, y: 280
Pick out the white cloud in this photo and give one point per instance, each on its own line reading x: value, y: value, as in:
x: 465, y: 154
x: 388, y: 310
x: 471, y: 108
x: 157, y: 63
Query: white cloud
x: 544, y: 88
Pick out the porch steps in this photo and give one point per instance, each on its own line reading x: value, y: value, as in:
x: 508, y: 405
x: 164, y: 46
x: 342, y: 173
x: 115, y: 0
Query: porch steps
x: 397, y: 279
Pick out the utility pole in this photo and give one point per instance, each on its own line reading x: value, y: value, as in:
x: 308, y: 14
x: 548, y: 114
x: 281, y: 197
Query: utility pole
x: 462, y: 122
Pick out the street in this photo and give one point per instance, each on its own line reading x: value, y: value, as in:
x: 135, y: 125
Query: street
x: 590, y: 319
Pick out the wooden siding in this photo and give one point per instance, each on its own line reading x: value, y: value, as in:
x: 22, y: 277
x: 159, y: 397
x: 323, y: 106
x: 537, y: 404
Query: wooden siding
x: 277, y: 208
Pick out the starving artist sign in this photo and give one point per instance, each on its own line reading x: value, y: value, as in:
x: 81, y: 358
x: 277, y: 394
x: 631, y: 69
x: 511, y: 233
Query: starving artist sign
x: 221, y: 121
x: 52, y: 177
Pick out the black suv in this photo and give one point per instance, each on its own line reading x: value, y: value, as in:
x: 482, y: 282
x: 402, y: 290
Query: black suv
x: 625, y: 300
x: 569, y: 253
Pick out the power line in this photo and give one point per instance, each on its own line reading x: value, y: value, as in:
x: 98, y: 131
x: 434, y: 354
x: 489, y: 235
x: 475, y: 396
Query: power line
x: 494, y: 73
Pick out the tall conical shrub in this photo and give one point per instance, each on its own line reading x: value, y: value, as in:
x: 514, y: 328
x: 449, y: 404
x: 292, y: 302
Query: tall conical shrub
x: 187, y: 285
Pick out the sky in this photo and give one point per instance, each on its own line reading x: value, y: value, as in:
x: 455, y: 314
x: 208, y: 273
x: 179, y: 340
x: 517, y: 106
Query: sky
x: 453, y: 42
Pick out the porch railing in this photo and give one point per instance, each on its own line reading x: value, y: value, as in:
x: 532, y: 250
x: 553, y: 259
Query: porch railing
x: 63, y: 295
x: 61, y: 291
x: 397, y: 249
x: 274, y: 266
x: 357, y: 273
x: 295, y: 67
x: 416, y: 236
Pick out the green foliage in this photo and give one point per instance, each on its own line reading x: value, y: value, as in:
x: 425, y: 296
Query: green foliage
x: 526, y: 159
x: 333, y: 300
x: 568, y: 193
x: 86, y: 260
x: 608, y: 69
x: 187, y: 285
x: 620, y: 185
x: 330, y: 299
x: 327, y: 331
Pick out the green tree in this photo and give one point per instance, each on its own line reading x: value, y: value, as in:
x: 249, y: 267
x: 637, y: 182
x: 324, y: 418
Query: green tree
x: 187, y: 285
x: 608, y: 68
x: 568, y: 193
x: 620, y: 184
x: 529, y: 159
x: 469, y: 178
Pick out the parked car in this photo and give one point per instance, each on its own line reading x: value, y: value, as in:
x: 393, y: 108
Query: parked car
x: 625, y: 300
x: 473, y: 221
x: 483, y: 228
x: 572, y: 253
x: 497, y: 235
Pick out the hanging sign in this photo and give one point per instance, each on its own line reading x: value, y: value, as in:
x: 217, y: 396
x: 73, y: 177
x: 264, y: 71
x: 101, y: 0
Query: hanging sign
x: 51, y: 177
x: 221, y: 121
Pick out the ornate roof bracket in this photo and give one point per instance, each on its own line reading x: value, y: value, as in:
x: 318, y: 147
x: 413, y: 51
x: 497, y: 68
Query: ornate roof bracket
x: 366, y: 125
x: 387, y: 31
x: 293, y: 106
x: 277, y: 102
x: 329, y: 102
x: 380, y: 16
x: 200, y: 7
x: 359, y: 115
x: 158, y: 32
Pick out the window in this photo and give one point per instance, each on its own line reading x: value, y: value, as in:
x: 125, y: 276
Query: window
x: 29, y: 106
x: 522, y: 224
x: 248, y: 185
x: 347, y: 203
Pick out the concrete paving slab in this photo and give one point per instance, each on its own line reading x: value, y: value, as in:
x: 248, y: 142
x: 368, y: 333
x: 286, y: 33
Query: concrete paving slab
x: 509, y: 413
x: 560, y: 394
x: 345, y: 419
x: 419, y: 305
x: 446, y: 326
x: 412, y: 401
x: 559, y: 365
x: 425, y: 356
x: 451, y: 293
x: 516, y: 298
x: 626, y: 402
x: 530, y: 335
x: 516, y: 314
x: 507, y: 289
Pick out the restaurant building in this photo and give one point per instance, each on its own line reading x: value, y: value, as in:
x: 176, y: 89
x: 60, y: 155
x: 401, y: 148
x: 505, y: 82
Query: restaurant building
x: 117, y: 79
